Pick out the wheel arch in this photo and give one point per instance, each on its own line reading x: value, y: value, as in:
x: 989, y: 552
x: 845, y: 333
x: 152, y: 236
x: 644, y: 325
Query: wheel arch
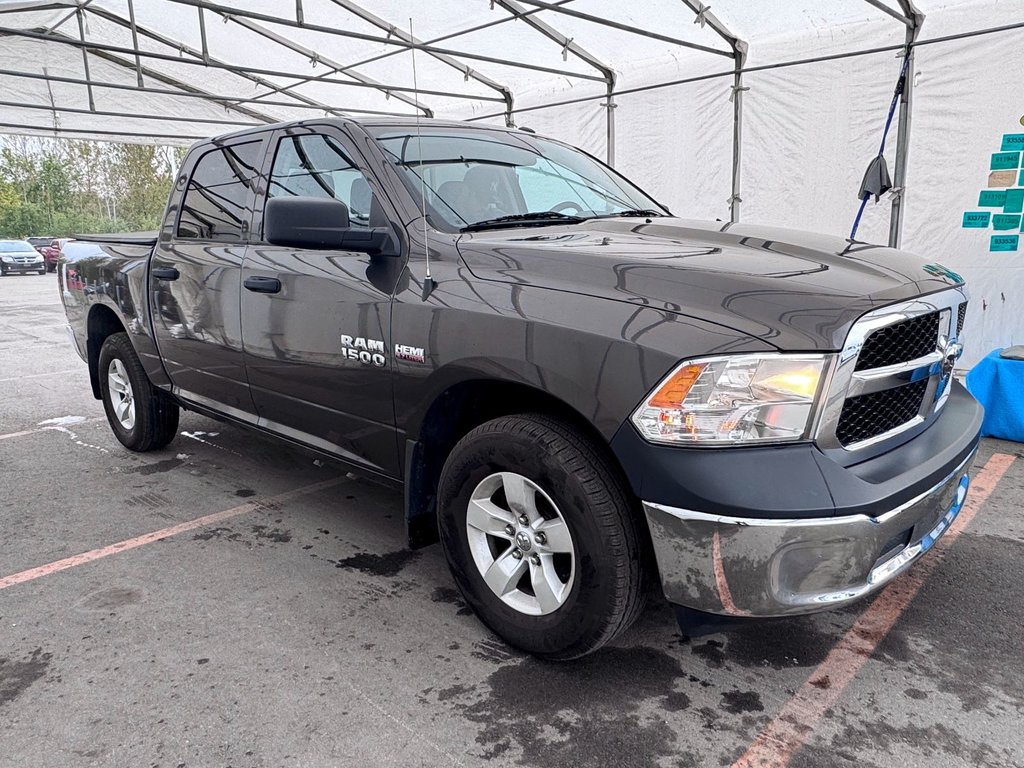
x: 101, y: 323
x: 454, y: 412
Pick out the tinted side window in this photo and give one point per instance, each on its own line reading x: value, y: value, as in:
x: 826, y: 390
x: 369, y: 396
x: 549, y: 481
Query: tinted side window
x: 315, y: 165
x: 215, y: 202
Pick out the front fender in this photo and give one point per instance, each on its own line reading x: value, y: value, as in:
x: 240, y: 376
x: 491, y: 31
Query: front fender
x: 598, y: 356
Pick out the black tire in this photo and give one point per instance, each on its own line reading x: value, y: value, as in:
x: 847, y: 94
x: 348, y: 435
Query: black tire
x: 156, y: 415
x: 609, y: 584
x: 3, y: 271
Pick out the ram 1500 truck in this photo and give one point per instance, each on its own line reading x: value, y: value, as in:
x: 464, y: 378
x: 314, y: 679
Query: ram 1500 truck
x: 579, y: 392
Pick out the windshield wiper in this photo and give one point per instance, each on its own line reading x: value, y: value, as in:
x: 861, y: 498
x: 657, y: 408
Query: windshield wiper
x: 538, y: 218
x: 646, y: 212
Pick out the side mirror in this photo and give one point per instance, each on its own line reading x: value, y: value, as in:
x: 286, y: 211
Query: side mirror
x: 322, y: 224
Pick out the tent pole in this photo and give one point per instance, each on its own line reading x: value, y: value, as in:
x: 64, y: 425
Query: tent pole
x: 899, y: 180
x: 623, y: 27
x: 469, y: 74
x: 135, y: 42
x: 610, y: 106
x: 738, y: 89
x: 85, y: 57
x: 240, y: 13
x: 570, y: 46
x: 739, y: 55
x: 226, y: 102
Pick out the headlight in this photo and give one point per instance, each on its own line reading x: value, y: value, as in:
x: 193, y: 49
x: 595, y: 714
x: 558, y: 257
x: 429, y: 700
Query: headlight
x: 734, y: 400
x: 7, y: 259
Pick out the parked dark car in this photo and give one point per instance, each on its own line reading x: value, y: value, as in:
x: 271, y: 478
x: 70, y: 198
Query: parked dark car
x: 19, y: 256
x: 579, y: 391
x: 40, y: 241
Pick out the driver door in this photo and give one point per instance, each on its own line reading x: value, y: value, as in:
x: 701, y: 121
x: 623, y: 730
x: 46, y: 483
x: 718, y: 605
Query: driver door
x: 316, y: 324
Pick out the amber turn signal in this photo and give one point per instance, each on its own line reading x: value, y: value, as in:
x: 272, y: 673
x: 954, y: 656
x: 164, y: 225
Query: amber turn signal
x: 673, y: 392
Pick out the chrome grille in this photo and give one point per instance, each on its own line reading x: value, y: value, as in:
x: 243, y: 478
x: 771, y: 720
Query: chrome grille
x: 894, y: 370
x: 867, y: 416
x: 900, y: 342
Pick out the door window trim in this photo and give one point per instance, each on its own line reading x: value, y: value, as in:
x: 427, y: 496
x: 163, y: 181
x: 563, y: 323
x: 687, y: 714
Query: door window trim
x: 252, y: 195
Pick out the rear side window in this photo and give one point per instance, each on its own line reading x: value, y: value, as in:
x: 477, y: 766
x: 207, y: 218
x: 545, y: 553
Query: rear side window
x: 216, y: 202
x: 315, y: 165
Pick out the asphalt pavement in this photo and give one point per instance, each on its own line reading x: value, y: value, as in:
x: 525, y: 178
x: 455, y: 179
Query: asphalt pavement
x: 230, y: 601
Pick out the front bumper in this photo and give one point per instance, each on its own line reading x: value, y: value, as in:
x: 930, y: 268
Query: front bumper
x: 784, y: 530
x: 755, y: 567
x: 34, y: 266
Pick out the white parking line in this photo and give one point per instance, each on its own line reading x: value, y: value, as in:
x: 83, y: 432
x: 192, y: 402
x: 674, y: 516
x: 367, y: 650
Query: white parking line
x: 51, y: 428
x: 41, y: 375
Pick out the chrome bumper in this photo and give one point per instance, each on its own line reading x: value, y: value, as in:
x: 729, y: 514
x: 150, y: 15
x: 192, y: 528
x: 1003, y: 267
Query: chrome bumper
x: 754, y: 567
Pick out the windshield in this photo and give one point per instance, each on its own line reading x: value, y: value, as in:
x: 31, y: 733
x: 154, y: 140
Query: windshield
x: 473, y: 176
x: 15, y: 246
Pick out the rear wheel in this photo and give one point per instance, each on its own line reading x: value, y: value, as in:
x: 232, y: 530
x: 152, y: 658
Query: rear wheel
x: 541, y: 536
x: 143, y: 418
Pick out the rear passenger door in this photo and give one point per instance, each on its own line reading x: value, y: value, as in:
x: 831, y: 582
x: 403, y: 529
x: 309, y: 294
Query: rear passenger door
x: 195, y: 277
x: 316, y: 323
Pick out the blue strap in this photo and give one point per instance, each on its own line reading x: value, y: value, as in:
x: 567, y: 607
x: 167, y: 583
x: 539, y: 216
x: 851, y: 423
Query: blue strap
x: 901, y: 83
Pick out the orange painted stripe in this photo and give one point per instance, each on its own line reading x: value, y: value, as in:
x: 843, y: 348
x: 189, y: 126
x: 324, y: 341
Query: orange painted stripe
x: 775, y: 746
x: 148, y: 538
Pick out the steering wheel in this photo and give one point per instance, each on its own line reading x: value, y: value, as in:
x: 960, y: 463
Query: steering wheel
x: 561, y: 207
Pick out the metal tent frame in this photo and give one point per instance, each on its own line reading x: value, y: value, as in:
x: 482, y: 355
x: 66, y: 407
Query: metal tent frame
x: 150, y: 49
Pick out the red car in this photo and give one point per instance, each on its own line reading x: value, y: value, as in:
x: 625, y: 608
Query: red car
x: 49, y: 247
x: 51, y: 253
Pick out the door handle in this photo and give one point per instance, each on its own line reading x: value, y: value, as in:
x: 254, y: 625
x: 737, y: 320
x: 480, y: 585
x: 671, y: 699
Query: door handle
x: 165, y: 273
x: 260, y: 284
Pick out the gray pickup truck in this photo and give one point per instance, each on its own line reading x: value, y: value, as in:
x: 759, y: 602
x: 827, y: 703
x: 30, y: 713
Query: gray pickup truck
x: 580, y: 393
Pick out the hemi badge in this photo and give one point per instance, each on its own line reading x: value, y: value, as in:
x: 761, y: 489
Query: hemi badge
x: 411, y: 354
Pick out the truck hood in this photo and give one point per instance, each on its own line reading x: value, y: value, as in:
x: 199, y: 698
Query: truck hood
x: 798, y: 291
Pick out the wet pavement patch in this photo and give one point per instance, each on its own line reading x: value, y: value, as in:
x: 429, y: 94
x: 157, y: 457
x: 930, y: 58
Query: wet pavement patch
x: 16, y: 676
x: 273, y: 534
x: 936, y: 741
x: 778, y: 644
x: 390, y: 564
x: 676, y: 701
x: 947, y: 637
x: 738, y: 702
x: 110, y: 598
x: 577, y: 714
x: 219, y: 532
x: 165, y: 465
x: 452, y: 597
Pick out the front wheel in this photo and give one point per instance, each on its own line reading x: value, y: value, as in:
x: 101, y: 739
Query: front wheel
x: 142, y: 417
x: 541, y: 536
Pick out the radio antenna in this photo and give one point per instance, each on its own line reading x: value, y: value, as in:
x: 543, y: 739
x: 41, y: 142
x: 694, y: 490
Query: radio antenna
x: 428, y: 281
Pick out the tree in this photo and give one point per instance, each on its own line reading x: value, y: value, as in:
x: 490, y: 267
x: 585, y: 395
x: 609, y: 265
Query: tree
x: 63, y: 187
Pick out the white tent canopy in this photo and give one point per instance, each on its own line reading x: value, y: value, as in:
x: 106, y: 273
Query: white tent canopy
x: 765, y: 111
